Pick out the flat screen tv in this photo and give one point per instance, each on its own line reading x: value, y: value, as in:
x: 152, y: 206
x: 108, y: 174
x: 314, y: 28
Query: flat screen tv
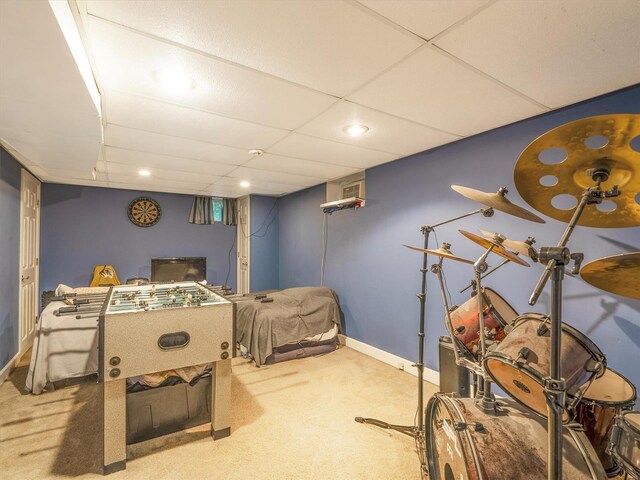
x: 178, y: 269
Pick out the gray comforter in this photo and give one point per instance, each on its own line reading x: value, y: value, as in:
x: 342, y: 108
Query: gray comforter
x: 294, y: 314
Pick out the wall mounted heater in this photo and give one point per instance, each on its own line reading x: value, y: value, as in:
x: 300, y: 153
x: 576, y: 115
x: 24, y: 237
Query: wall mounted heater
x: 353, y: 202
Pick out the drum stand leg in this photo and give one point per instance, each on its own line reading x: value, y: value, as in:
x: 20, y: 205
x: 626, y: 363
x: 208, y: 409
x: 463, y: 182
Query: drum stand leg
x: 555, y: 385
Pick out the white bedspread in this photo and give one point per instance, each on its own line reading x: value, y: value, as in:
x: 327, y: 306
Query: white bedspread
x: 64, y: 347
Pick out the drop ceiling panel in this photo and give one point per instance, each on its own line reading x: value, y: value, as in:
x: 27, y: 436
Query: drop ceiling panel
x: 432, y: 88
x: 258, y: 187
x: 177, y: 188
x: 150, y: 115
x: 160, y: 174
x: 424, y: 18
x: 386, y: 132
x: 252, y: 174
x: 311, y: 148
x: 555, y: 52
x: 135, y: 63
x: 152, y: 161
x: 298, y: 166
x: 152, y: 183
x: 330, y: 46
x: 132, y: 139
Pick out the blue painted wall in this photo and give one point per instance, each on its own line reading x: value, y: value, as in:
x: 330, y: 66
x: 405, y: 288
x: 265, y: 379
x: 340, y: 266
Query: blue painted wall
x: 377, y: 279
x: 9, y: 256
x: 264, y: 243
x: 87, y: 226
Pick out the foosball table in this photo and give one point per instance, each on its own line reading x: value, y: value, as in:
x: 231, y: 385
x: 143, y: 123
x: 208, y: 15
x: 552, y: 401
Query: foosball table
x: 150, y: 328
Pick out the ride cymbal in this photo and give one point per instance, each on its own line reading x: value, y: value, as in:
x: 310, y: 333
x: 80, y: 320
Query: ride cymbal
x: 619, y: 274
x: 516, y: 245
x: 440, y: 252
x: 558, y: 163
x: 496, y: 247
x: 497, y: 201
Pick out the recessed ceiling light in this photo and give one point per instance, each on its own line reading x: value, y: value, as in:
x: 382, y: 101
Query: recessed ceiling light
x: 355, y: 130
x: 144, y: 173
x: 174, y: 80
x: 245, y: 184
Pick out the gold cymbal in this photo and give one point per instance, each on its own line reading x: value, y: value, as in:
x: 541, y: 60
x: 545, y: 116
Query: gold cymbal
x: 497, y: 201
x: 516, y: 245
x: 570, y: 175
x: 441, y: 252
x: 619, y: 274
x: 497, y: 248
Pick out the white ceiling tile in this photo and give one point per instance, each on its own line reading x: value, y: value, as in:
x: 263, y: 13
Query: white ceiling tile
x: 133, y: 159
x: 252, y: 174
x: 386, y: 132
x: 259, y: 187
x: 133, y: 63
x: 555, y: 52
x: 298, y: 166
x: 224, y: 191
x: 132, y: 139
x: 328, y: 45
x: 311, y: 148
x: 424, y: 18
x: 150, y: 115
x: 434, y: 89
x: 148, y: 183
x: 178, y: 175
x: 177, y: 188
x: 63, y: 179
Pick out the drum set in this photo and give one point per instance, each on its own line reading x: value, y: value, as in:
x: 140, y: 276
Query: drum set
x: 549, y: 369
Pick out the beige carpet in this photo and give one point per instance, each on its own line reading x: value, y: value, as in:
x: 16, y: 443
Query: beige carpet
x: 293, y: 420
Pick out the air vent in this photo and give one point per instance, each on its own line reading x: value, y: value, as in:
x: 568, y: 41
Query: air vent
x: 353, y: 189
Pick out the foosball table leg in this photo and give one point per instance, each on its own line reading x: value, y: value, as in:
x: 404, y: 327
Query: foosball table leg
x: 114, y: 431
x: 221, y: 399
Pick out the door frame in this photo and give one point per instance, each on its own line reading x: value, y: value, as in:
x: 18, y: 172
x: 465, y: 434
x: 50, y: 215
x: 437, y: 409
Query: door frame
x: 23, y: 174
x: 247, y: 234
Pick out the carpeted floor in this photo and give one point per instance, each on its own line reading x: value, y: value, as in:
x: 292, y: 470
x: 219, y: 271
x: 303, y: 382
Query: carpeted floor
x: 293, y: 420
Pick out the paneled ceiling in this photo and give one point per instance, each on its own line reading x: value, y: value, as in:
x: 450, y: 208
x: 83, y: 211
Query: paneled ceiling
x: 188, y: 88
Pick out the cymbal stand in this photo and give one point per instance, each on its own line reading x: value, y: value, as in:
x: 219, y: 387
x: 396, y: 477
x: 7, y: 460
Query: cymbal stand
x: 486, y: 402
x: 417, y: 431
x: 590, y: 195
x: 554, y: 385
x: 463, y: 362
x: 529, y: 240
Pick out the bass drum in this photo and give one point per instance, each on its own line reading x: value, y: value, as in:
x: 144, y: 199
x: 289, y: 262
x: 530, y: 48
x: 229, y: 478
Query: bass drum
x: 464, y: 443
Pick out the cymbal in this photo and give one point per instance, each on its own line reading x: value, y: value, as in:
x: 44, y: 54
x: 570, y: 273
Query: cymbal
x: 497, y: 201
x: 497, y: 248
x: 516, y: 245
x: 441, y: 252
x: 617, y: 274
x: 570, y: 175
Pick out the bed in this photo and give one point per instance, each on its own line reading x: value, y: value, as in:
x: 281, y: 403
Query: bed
x: 288, y: 324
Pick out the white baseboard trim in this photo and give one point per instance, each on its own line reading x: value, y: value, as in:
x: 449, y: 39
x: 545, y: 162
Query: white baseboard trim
x: 389, y: 358
x: 6, y: 371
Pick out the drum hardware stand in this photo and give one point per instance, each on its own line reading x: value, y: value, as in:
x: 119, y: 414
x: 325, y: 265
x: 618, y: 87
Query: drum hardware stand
x: 590, y: 195
x: 529, y: 240
x: 417, y: 431
x: 554, y: 385
x: 485, y: 400
x: 463, y: 362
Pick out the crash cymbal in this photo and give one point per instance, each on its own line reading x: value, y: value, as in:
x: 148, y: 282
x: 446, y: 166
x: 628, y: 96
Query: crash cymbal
x: 497, y: 248
x: 497, y: 201
x: 619, y: 274
x: 541, y: 173
x: 521, y: 247
x: 441, y: 252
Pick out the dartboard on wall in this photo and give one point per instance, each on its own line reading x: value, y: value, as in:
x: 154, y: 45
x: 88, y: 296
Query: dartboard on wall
x: 144, y: 212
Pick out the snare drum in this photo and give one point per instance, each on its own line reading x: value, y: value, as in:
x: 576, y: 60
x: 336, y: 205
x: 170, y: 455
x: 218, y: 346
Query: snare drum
x: 625, y: 442
x: 466, y: 326
x: 464, y: 443
x: 604, y: 399
x: 520, y: 363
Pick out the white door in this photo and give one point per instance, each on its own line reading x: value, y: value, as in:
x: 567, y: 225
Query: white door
x: 243, y: 244
x: 29, y: 253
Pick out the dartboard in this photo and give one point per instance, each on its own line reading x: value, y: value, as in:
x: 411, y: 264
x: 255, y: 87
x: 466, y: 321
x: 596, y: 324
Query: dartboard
x: 144, y: 212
